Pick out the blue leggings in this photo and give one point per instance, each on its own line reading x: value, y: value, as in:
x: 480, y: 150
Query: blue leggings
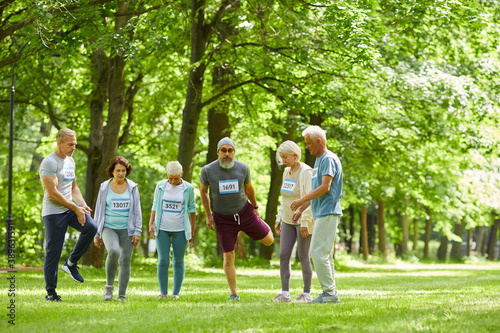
x: 179, y: 243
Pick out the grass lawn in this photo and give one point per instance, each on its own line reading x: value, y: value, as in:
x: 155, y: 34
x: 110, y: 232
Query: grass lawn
x: 373, y: 298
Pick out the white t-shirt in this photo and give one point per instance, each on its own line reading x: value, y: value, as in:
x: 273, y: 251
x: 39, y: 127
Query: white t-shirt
x: 172, y: 218
x: 64, y: 170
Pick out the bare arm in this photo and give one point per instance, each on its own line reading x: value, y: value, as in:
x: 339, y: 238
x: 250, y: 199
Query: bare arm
x: 78, y: 197
x: 50, y: 184
x: 250, y: 192
x: 301, y: 204
x: 205, y: 200
x: 326, y: 181
x: 152, y: 224
x: 192, y: 218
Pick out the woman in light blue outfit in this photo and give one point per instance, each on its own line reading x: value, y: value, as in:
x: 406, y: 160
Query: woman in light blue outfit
x: 119, y: 224
x: 172, y: 223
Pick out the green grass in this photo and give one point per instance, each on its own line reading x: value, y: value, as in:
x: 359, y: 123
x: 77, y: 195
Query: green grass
x: 374, y: 298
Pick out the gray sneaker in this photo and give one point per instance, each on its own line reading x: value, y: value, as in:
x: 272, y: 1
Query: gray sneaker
x: 122, y: 298
x: 233, y: 297
x: 326, y: 298
x: 108, y: 293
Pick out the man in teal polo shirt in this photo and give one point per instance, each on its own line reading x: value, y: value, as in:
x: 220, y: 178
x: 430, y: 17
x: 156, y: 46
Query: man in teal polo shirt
x: 326, y: 191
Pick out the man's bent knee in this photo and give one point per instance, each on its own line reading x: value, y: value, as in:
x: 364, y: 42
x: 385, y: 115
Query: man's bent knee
x: 268, y: 240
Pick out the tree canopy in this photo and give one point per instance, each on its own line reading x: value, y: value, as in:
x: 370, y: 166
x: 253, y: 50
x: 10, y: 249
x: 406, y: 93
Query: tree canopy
x: 406, y: 90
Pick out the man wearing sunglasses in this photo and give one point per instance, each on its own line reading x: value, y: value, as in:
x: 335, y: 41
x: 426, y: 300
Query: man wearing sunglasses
x: 234, y: 206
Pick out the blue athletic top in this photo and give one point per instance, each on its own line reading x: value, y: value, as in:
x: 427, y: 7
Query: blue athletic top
x: 329, y: 203
x: 117, y: 210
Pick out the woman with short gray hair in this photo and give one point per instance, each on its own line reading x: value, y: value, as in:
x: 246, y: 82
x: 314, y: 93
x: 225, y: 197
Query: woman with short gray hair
x: 296, y: 183
x: 172, y: 223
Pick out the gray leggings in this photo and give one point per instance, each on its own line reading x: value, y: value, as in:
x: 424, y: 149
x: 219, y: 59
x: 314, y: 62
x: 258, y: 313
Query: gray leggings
x: 120, y: 248
x: 290, y: 233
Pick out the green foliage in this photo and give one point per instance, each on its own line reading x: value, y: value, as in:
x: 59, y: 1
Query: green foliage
x: 407, y: 91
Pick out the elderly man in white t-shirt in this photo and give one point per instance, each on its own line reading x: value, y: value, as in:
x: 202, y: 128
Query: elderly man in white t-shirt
x: 63, y: 206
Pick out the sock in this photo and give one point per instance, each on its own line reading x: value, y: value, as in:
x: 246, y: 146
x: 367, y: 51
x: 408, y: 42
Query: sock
x: 108, y: 285
x: 331, y: 293
x: 70, y: 263
x: 286, y: 293
x: 307, y: 294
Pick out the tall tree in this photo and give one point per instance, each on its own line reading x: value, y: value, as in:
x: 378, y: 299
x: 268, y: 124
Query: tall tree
x: 382, y: 246
x: 202, y: 30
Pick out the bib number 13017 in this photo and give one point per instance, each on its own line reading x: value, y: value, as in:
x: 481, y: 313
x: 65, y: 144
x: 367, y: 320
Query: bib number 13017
x: 228, y: 186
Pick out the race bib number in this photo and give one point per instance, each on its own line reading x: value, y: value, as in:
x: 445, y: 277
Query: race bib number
x: 288, y: 185
x: 120, y: 205
x: 315, y: 173
x: 68, y: 173
x: 229, y: 186
x: 172, y: 206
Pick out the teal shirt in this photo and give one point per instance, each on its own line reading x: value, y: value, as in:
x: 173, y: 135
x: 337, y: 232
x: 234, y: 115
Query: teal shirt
x: 117, y: 210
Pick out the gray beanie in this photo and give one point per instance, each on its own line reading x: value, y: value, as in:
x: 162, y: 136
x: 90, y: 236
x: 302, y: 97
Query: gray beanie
x: 225, y: 141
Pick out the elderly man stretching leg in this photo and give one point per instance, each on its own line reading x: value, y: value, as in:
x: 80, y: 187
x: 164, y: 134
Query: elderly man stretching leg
x: 324, y: 199
x: 230, y: 186
x: 57, y: 172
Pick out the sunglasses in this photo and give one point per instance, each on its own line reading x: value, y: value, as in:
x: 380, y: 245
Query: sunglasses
x: 224, y: 150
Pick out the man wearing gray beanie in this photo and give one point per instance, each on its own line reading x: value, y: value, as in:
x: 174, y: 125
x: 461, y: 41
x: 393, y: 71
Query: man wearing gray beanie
x: 235, y: 207
x: 225, y: 141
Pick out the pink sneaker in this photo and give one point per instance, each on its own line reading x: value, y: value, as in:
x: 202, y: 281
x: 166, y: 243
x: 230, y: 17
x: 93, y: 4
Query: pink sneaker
x: 303, y: 299
x: 174, y: 297
x: 162, y: 297
x: 282, y: 298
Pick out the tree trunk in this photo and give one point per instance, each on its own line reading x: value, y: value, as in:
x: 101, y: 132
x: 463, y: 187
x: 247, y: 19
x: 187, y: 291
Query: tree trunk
x: 443, y: 248
x: 481, y: 240
x: 253, y: 247
x: 427, y: 237
x: 272, y: 201
x: 201, y: 31
x: 100, y: 77
x: 456, y: 247
x: 345, y: 227
x: 405, y: 227
x: 364, y: 233
x: 469, y: 242
x: 382, y: 246
x: 104, y: 141
x: 371, y: 222
x: 351, y: 228
x: 218, y: 128
x: 492, y: 239
x: 415, y: 236
x: 276, y: 180
x: 315, y: 119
